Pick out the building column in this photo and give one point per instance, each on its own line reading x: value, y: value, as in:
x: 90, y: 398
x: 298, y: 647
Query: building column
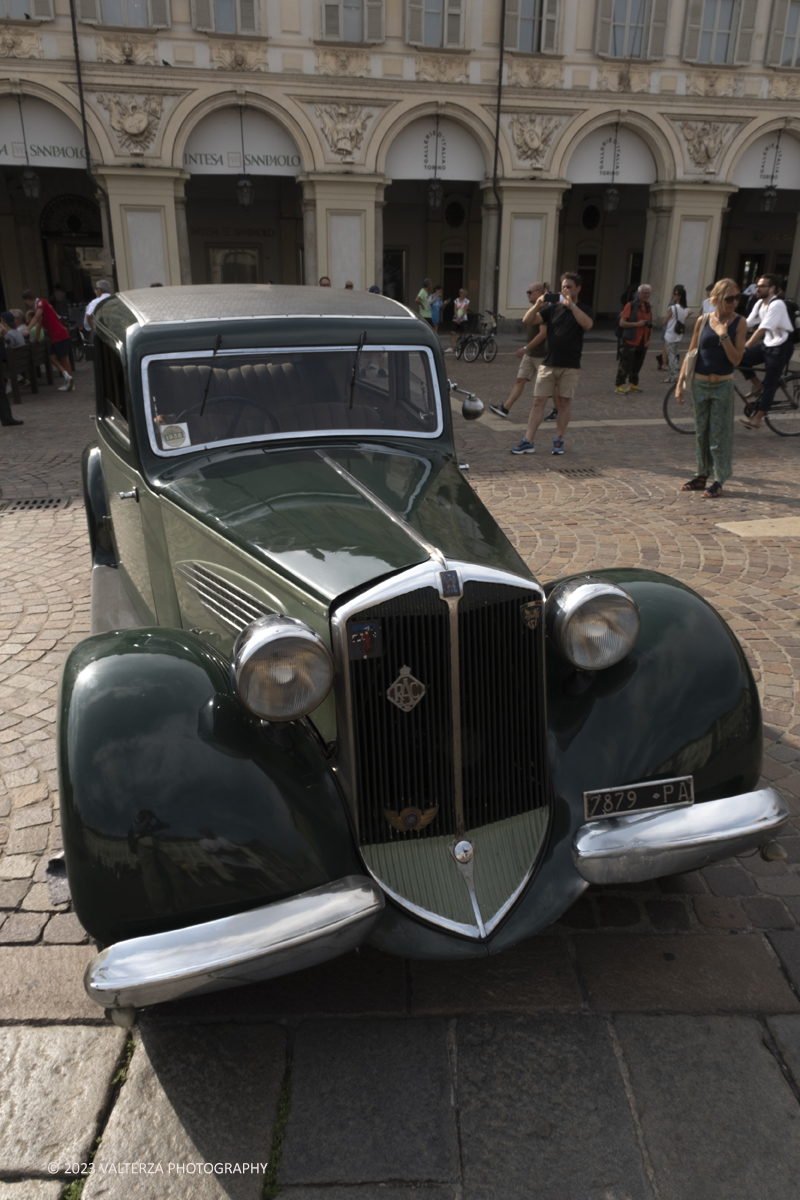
x: 310, y: 262
x: 684, y: 223
x: 380, y: 204
x: 488, y: 247
x: 145, y: 224
x: 793, y: 278
x: 182, y: 228
x: 528, y: 240
x: 344, y: 226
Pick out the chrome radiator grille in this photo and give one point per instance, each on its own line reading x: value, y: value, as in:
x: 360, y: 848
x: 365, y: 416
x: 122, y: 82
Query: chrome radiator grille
x: 406, y: 759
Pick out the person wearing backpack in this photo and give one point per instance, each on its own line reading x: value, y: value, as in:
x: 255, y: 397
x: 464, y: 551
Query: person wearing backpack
x: 636, y: 323
x: 673, y: 327
x: 772, y: 343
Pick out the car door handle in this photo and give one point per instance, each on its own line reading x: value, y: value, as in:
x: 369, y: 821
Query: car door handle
x: 134, y: 495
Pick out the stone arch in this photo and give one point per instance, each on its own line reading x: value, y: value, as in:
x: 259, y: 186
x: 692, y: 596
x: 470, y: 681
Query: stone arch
x: 188, y: 115
x: 390, y: 127
x: 750, y: 134
x: 660, y: 140
x: 99, y: 143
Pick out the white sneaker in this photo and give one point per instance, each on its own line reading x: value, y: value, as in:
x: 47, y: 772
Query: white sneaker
x: 449, y: 351
x: 67, y: 387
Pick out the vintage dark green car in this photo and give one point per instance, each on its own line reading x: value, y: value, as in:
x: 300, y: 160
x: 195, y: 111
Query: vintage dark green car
x: 325, y: 701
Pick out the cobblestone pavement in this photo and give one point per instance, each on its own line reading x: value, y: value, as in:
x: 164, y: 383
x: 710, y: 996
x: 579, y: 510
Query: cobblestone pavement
x: 648, y: 1045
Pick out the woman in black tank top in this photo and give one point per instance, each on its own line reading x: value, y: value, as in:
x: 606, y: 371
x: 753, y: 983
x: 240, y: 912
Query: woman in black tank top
x: 719, y: 339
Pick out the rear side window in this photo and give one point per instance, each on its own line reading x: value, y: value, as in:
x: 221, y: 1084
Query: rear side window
x: 112, y: 382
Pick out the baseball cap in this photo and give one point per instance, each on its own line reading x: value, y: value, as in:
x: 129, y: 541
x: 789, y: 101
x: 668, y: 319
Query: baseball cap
x: 375, y: 288
x: 8, y: 317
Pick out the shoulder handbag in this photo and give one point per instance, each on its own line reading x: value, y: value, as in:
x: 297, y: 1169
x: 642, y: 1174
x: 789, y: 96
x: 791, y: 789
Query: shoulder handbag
x: 690, y: 362
x: 679, y: 328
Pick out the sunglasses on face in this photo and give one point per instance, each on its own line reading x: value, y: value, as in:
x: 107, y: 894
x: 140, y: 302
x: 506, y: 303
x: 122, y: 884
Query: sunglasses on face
x: 733, y: 299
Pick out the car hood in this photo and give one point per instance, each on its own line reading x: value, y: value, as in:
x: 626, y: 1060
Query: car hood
x: 329, y: 529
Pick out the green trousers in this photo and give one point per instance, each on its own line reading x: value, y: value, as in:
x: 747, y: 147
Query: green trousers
x: 713, y: 414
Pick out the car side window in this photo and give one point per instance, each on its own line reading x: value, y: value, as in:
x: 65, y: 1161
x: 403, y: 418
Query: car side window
x: 112, y: 377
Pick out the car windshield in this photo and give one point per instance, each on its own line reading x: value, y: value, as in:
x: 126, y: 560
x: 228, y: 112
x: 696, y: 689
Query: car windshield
x: 198, y: 400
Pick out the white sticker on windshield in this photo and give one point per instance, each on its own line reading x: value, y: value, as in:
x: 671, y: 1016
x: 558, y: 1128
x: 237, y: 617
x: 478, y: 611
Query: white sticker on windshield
x: 175, y: 436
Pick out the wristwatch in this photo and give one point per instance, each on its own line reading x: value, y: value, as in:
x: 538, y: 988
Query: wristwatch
x: 724, y: 337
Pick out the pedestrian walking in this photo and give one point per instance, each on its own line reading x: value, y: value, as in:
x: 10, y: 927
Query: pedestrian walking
x: 770, y: 344
x: 458, y: 327
x: 423, y: 300
x: 718, y: 339
x: 102, y: 290
x: 437, y: 299
x: 636, y: 322
x: 566, y: 321
x: 528, y: 354
x: 324, y: 281
x: 673, y: 327
x: 45, y: 317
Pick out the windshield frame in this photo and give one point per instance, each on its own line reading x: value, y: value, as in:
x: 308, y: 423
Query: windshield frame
x: 299, y: 435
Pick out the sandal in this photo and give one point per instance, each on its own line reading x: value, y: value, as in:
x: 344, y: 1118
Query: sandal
x: 748, y: 424
x: 695, y: 485
x: 712, y: 491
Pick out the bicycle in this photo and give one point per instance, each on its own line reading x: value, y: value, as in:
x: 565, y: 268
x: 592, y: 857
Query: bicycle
x: 783, y: 417
x: 482, y: 343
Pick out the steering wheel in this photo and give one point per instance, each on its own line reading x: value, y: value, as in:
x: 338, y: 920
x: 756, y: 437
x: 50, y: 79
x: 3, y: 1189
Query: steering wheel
x: 240, y: 402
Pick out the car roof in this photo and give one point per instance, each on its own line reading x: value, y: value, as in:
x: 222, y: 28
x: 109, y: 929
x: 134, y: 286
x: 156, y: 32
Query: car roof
x: 204, y: 302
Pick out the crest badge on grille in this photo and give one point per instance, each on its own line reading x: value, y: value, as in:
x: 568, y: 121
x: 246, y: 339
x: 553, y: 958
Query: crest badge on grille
x: 410, y: 818
x: 531, y: 614
x: 406, y: 691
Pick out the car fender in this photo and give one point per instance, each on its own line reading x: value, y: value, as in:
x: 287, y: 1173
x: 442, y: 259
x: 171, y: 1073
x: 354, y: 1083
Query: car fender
x: 683, y: 702
x: 98, y: 517
x: 177, y: 805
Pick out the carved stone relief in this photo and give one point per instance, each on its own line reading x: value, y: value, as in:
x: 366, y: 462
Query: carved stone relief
x: 704, y: 141
x: 534, y: 73
x: 140, y: 51
x: 16, y: 44
x: 238, y: 56
x: 626, y: 78
x: 342, y: 62
x: 344, y: 127
x: 784, y: 87
x: 134, y: 119
x: 712, y: 83
x: 532, y: 137
x: 441, y: 68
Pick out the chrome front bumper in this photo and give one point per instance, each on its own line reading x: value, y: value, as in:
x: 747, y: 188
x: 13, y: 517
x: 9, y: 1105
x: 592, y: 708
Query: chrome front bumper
x: 274, y: 940
x: 642, y: 846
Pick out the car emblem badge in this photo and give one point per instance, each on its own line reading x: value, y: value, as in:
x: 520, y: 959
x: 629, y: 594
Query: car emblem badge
x: 531, y: 614
x: 406, y: 691
x: 410, y: 818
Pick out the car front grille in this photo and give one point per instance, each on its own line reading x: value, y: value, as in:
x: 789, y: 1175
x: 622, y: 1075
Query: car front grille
x: 406, y: 759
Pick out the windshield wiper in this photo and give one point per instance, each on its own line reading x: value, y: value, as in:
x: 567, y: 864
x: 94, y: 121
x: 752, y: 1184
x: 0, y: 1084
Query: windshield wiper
x: 361, y: 341
x: 217, y: 345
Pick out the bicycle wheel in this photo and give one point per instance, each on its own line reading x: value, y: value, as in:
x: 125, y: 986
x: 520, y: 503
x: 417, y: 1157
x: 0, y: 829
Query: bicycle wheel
x: 77, y: 351
x: 460, y: 347
x: 679, y: 417
x: 784, y: 416
x: 490, y: 350
x: 471, y: 350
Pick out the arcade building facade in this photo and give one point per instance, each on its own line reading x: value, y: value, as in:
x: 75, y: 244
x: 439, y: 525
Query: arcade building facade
x: 369, y: 140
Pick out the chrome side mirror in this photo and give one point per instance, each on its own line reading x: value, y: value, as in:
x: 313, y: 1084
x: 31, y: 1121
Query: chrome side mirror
x: 472, y: 406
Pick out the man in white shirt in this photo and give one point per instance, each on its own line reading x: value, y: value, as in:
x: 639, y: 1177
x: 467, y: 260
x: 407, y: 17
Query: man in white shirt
x: 708, y: 306
x: 102, y: 289
x: 770, y: 344
x: 11, y: 335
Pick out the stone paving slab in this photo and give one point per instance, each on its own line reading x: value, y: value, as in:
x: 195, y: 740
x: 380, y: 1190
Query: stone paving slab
x: 195, y: 1098
x: 45, y: 983
x: 787, y: 946
x: 372, y: 1191
x: 719, y: 1119
x: 371, y: 1101
x: 544, y: 1113
x: 786, y: 1031
x: 533, y: 976
x: 54, y: 1085
x: 625, y: 973
x: 31, y: 1189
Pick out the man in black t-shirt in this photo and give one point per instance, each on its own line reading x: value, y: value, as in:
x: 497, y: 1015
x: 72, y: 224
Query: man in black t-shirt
x: 566, y: 320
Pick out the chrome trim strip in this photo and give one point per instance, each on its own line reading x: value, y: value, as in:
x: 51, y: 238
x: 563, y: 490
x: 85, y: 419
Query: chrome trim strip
x: 423, y: 575
x: 452, y: 603
x: 425, y: 545
x: 232, y: 605
x: 263, y: 943
x: 636, y: 847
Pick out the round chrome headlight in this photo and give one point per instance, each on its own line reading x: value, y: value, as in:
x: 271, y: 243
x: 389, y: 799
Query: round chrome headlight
x: 280, y: 668
x: 593, y: 623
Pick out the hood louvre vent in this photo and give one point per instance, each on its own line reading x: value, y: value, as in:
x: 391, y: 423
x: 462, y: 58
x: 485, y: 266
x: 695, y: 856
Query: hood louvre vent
x: 230, y: 604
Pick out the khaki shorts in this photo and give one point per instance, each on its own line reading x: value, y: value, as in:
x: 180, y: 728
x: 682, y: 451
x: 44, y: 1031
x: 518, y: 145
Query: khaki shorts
x: 527, y: 368
x: 563, y: 378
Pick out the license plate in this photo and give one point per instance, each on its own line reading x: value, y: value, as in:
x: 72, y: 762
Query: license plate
x: 639, y: 797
